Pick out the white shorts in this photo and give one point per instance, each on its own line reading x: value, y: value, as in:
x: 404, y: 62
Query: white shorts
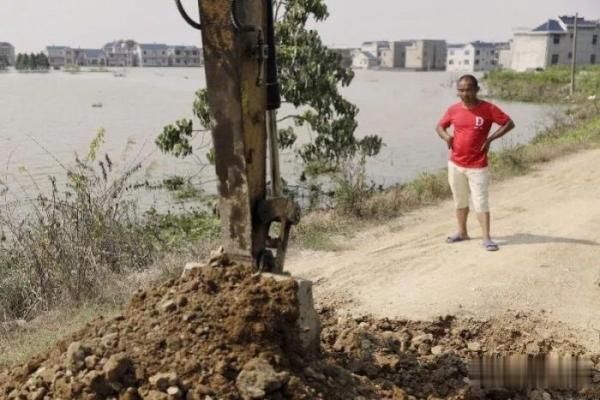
x: 469, y: 181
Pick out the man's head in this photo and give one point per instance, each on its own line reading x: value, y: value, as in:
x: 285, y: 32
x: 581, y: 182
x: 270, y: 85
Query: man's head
x: 467, y: 87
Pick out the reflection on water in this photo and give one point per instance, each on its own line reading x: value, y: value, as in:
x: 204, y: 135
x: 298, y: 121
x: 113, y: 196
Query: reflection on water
x: 48, y: 118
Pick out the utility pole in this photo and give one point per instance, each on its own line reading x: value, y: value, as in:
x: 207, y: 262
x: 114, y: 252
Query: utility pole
x: 574, y: 56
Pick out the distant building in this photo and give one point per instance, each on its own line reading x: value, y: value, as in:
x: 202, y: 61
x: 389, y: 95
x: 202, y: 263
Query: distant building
x: 126, y: 53
x: 121, y: 53
x: 551, y: 44
x: 61, y: 56
x: 472, y: 57
x: 426, y: 55
x: 162, y: 55
x: 364, y: 60
x: 504, y: 51
x: 152, y: 55
x: 375, y: 48
x: 57, y: 55
x: 7, y: 53
x: 373, y: 51
x: 184, y: 56
x: 395, y: 55
x: 92, y: 57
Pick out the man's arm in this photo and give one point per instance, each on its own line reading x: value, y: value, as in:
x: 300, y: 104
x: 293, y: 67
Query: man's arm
x: 443, y: 133
x: 503, y: 130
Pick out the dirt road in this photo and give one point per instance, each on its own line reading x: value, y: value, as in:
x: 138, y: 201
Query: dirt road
x: 546, y: 223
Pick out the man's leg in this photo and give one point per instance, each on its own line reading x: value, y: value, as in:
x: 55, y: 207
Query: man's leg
x: 459, y: 185
x: 479, y: 183
x: 462, y: 215
x: 484, y: 222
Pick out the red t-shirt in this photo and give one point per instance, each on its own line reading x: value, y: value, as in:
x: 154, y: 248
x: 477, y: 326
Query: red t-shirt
x: 471, y: 129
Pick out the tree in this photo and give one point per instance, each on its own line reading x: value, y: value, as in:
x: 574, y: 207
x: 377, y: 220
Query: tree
x: 42, y: 61
x: 26, y: 61
x: 33, y: 61
x: 310, y: 76
x: 19, y: 62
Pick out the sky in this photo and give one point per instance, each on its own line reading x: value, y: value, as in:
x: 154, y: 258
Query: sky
x: 30, y: 25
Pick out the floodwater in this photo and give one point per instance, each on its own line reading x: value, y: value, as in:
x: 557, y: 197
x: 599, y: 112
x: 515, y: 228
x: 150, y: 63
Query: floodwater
x: 45, y: 119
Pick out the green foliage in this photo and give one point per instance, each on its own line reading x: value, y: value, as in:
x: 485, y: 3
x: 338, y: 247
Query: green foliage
x: 549, y: 85
x: 352, y: 188
x: 32, y: 62
x: 175, y: 139
x: 310, y: 75
x: 174, y: 229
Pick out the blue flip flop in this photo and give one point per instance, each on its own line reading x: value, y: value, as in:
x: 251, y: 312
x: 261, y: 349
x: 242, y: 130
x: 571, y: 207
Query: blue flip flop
x: 456, y: 238
x: 490, y: 246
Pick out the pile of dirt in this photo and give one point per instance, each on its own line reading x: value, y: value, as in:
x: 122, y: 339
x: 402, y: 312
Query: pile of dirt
x: 430, y: 360
x: 228, y: 333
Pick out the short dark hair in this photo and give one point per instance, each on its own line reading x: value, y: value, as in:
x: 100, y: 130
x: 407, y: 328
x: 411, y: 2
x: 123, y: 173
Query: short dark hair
x: 470, y: 78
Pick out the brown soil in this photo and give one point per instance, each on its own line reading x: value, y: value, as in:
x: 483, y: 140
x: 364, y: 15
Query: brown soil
x: 227, y: 333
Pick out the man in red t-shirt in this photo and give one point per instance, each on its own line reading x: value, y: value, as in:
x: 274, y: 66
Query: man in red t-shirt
x: 468, y: 173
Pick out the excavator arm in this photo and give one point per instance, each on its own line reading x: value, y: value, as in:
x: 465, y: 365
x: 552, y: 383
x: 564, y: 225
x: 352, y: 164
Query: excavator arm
x: 243, y: 95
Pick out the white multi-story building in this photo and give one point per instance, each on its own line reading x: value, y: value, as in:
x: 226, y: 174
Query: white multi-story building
x: 373, y: 50
x: 184, y: 56
x: 7, y: 53
x: 551, y: 43
x: 152, y: 55
x: 57, y: 55
x: 364, y: 60
x: 127, y: 53
x: 421, y: 55
x: 375, y: 47
x: 121, y: 53
x: 472, y: 57
x: 395, y: 55
x: 504, y: 51
x: 60, y: 56
x: 162, y: 55
x: 92, y: 57
x: 426, y: 55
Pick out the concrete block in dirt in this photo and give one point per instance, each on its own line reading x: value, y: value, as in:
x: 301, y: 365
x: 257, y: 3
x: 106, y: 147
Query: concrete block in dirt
x: 192, y: 266
x: 309, y: 324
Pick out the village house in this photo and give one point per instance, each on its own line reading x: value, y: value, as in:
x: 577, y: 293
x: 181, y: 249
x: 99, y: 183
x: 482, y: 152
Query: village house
x: 375, y: 48
x: 57, y: 55
x: 472, y: 57
x: 426, y: 55
x: 364, y: 60
x: 121, y: 53
x: 61, y: 56
x: 92, y: 57
x: 504, y: 51
x: 420, y: 55
x: 152, y: 55
x: 551, y: 43
x: 7, y: 53
x: 184, y: 56
x: 395, y: 55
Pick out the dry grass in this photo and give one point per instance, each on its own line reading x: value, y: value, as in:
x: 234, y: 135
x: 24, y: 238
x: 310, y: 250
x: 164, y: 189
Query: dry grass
x: 20, y: 339
x: 19, y: 343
